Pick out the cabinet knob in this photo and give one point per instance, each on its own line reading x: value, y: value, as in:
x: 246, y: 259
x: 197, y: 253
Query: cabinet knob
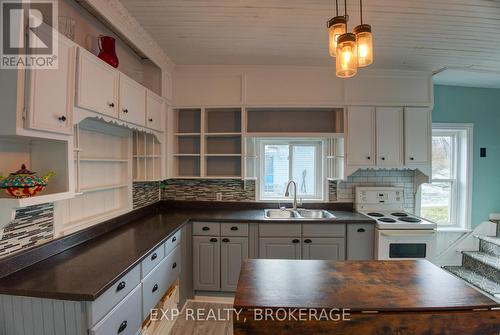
x: 120, y: 286
x: 125, y: 111
x: 361, y: 230
x: 205, y: 228
x: 154, y: 256
x: 383, y: 158
x: 307, y: 241
x: 174, y: 265
x: 174, y: 239
x: 111, y: 104
x: 225, y: 240
x: 155, y: 288
x: 122, y: 327
x: 213, y: 240
x: 150, y: 120
x: 412, y: 158
x: 234, y: 228
x: 368, y: 157
x: 296, y: 241
x: 62, y: 118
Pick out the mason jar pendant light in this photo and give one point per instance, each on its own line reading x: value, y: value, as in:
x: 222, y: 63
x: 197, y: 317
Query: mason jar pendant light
x: 347, y: 54
x: 336, y: 27
x: 364, y: 40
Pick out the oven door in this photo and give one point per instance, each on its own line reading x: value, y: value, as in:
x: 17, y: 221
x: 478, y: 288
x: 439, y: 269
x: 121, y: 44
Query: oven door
x: 404, y: 244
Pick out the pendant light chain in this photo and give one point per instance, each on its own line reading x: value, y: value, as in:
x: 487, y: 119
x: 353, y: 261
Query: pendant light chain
x: 361, y: 10
x: 336, y: 7
x: 345, y: 15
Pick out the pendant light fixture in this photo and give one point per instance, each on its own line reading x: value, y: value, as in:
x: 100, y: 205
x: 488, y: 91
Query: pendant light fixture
x: 336, y: 27
x: 364, y: 40
x: 347, y: 54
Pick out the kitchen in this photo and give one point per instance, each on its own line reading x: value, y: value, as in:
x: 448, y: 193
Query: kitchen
x: 163, y: 165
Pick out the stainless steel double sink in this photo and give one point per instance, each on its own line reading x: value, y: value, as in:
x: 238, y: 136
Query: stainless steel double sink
x: 299, y: 214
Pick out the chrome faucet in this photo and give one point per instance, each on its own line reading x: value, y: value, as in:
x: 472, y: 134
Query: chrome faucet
x: 287, y: 193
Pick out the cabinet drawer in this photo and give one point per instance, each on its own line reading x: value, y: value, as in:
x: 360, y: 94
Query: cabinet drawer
x: 172, y: 242
x: 280, y: 230
x: 234, y: 229
x: 124, y: 319
x: 323, y: 230
x: 159, y: 280
x: 109, y: 299
x: 206, y: 228
x: 152, y: 260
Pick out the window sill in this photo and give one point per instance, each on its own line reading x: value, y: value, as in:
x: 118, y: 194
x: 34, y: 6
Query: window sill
x: 453, y: 230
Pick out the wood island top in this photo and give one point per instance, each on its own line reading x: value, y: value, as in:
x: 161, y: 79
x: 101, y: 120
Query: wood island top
x: 383, y: 286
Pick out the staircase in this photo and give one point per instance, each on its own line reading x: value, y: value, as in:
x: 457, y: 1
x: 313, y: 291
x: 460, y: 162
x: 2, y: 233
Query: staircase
x: 482, y: 268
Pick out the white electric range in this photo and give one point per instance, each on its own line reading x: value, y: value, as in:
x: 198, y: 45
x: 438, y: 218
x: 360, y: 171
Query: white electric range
x: 398, y: 234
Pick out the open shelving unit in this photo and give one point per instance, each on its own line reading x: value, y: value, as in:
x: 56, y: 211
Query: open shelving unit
x: 208, y: 143
x: 335, y: 158
x: 103, y: 175
x: 146, y: 153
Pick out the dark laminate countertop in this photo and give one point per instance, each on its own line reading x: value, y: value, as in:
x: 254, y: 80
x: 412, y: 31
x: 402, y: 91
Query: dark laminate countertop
x: 84, y: 272
x: 358, y: 285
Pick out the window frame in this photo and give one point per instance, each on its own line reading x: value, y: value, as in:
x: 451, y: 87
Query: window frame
x: 461, y: 174
x: 320, y: 195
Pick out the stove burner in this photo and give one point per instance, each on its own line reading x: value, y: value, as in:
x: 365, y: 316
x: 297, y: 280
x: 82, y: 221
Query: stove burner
x: 410, y: 219
x: 388, y: 220
x: 399, y: 214
x: 375, y: 214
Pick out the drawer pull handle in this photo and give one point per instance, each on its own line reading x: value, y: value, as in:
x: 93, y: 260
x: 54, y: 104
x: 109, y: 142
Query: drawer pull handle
x: 225, y: 240
x: 205, y: 228
x: 62, y: 118
x: 122, y: 327
x: 120, y: 286
x: 111, y: 104
x: 174, y: 265
x: 154, y: 256
x: 155, y: 288
x: 213, y: 240
x: 295, y: 241
x: 361, y: 230
x: 307, y: 241
x: 174, y: 239
x: 234, y: 228
x: 125, y: 111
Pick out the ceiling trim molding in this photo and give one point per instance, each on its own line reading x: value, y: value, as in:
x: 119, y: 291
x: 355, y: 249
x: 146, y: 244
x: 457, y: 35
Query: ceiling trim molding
x: 128, y: 28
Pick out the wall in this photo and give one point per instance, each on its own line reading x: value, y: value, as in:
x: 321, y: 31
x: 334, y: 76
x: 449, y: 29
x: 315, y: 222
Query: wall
x: 481, y: 107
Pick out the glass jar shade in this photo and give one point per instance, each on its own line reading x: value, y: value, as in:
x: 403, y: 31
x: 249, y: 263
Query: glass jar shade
x: 364, y: 41
x: 336, y: 27
x: 347, y: 56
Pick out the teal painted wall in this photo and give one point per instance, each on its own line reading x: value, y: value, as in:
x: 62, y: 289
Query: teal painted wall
x: 480, y: 106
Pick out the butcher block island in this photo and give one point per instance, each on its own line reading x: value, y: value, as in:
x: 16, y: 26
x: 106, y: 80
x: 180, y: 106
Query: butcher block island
x: 358, y: 297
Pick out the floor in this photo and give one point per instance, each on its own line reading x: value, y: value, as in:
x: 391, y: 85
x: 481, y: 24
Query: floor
x: 204, y: 312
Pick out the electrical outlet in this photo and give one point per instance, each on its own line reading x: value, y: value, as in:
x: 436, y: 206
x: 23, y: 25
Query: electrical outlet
x: 218, y: 196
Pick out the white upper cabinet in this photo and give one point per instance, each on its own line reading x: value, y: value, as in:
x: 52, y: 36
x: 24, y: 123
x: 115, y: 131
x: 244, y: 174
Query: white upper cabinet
x: 155, y: 111
x: 49, y: 103
x: 389, y: 129
x: 418, y: 135
x: 96, y: 85
x: 132, y: 101
x: 361, y: 136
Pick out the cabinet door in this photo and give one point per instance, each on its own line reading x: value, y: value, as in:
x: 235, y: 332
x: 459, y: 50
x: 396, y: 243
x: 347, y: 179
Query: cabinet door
x: 233, y: 251
x: 323, y: 248
x: 389, y: 136
x: 280, y: 248
x: 418, y: 136
x: 51, y: 93
x: 96, y: 85
x: 361, y: 136
x: 206, y: 263
x: 360, y: 238
x: 132, y: 101
x: 155, y: 110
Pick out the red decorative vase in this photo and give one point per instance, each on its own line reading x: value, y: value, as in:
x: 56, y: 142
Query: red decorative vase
x: 107, y: 50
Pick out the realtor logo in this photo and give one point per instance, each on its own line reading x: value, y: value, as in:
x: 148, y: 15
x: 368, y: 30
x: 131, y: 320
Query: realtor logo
x: 28, y: 39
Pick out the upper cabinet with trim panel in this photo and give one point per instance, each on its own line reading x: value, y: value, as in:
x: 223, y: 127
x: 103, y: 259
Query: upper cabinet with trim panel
x: 155, y: 111
x: 132, y: 101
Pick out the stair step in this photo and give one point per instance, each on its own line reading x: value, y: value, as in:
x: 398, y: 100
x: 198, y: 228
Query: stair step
x: 489, y: 244
x: 486, y: 265
x: 475, y: 279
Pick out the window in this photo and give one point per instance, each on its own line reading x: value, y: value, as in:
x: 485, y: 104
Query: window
x: 284, y: 160
x: 446, y: 200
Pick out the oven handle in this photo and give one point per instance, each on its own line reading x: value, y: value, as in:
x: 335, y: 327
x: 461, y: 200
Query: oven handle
x: 411, y: 233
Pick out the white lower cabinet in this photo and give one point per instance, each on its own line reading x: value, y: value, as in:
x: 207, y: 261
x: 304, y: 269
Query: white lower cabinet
x: 124, y: 319
x: 233, y: 251
x: 206, y: 263
x: 332, y: 248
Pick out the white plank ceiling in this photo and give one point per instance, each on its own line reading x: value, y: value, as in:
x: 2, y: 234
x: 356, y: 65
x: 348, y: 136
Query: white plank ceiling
x: 408, y: 34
